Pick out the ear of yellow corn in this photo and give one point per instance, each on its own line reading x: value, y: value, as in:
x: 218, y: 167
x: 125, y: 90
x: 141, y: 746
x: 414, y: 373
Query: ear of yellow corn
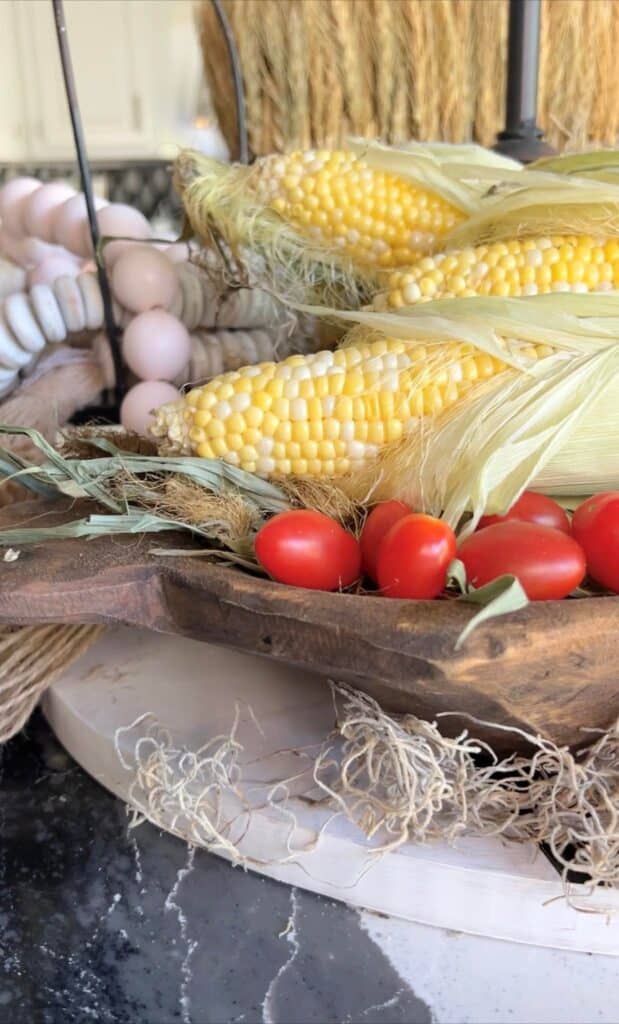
x: 377, y: 218
x: 519, y: 267
x: 327, y: 414
x: 456, y: 414
x: 321, y: 227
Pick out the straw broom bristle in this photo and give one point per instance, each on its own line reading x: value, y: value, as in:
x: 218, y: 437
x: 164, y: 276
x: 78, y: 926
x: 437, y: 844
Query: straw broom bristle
x: 319, y: 70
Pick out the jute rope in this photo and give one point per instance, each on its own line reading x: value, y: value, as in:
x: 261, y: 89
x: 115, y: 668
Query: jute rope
x: 31, y: 659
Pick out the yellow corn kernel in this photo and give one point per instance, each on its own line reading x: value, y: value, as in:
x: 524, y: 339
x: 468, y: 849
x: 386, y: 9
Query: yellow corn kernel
x: 254, y: 416
x: 283, y: 431
x: 270, y: 424
x: 263, y: 400
x: 333, y: 434
x: 375, y: 217
x: 300, y: 431
x: 524, y: 267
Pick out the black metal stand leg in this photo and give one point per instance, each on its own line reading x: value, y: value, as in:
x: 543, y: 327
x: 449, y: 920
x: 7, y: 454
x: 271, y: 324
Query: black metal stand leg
x: 80, y: 146
x: 237, y: 80
x: 522, y: 139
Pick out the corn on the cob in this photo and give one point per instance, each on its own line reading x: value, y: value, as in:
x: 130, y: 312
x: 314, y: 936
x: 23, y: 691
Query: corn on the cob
x: 532, y: 266
x: 375, y: 217
x: 327, y: 414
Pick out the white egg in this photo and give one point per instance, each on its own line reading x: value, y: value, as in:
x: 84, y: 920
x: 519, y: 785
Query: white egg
x: 116, y: 221
x: 40, y: 207
x: 141, y: 401
x: 70, y: 219
x: 144, y: 279
x: 156, y: 346
x: 12, y: 197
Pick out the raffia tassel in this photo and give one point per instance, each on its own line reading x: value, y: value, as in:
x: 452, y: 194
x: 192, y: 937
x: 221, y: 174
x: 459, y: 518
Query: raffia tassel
x: 398, y: 779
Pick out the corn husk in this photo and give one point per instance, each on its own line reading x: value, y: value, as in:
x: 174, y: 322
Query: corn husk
x: 469, y: 154
x: 601, y: 164
x: 259, y: 248
x: 551, y: 424
x: 537, y: 203
x: 457, y: 173
x: 141, y: 493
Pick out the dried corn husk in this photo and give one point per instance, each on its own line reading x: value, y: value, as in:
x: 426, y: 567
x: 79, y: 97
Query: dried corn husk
x: 258, y: 247
x: 552, y: 424
x: 538, y: 202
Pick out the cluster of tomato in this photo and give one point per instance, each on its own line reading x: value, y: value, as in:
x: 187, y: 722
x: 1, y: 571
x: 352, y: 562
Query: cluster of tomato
x: 407, y: 554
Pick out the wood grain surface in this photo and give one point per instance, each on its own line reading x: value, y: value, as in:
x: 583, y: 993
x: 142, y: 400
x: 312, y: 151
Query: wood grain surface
x: 550, y: 668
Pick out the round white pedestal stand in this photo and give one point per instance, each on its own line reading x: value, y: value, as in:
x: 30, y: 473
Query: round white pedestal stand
x: 481, y: 887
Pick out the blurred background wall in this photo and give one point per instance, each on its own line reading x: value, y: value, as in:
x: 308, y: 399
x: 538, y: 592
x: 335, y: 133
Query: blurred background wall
x: 138, y: 69
x: 142, y: 92
x: 314, y: 71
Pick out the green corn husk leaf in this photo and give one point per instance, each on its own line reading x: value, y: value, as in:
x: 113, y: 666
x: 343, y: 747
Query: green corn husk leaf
x: 131, y: 487
x: 551, y: 424
x: 86, y: 478
x: 132, y: 521
x: 502, y: 596
x: 12, y: 465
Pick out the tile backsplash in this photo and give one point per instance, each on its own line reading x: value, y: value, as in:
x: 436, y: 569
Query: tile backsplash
x: 145, y: 184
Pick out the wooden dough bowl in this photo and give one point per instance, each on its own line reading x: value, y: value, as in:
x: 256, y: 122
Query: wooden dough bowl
x: 551, y: 668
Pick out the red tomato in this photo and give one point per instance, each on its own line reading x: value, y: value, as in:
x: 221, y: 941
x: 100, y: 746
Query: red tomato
x: 595, y: 526
x: 532, y: 508
x: 414, y: 556
x: 308, y: 549
x: 548, y: 563
x: 376, y: 527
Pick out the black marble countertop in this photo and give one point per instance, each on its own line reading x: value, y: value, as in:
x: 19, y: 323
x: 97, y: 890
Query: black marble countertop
x: 105, y: 924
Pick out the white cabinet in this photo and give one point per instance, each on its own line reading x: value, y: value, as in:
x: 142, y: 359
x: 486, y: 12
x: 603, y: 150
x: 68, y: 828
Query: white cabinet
x: 12, y: 119
x: 137, y: 71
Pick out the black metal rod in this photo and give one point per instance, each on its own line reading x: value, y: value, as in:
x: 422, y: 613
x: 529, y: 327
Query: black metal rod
x: 111, y: 328
x: 522, y: 138
x: 522, y: 63
x: 237, y: 80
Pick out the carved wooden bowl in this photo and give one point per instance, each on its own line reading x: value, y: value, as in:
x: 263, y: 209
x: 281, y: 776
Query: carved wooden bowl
x: 551, y: 668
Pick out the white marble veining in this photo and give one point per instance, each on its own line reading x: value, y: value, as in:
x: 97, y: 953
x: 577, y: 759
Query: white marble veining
x: 468, y: 979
